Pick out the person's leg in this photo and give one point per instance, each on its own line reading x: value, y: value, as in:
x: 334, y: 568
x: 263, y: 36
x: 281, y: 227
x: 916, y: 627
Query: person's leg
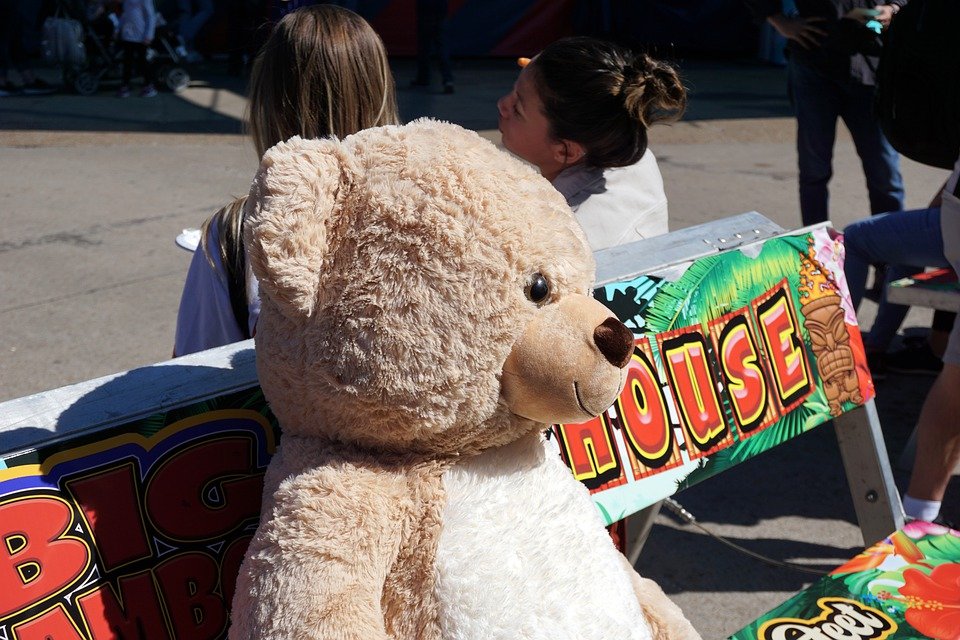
x: 938, y: 444
x: 881, y: 163
x: 896, y: 238
x: 940, y: 328
x: 7, y: 34
x: 204, y: 12
x: 191, y: 27
x: 889, y: 315
x: 816, y: 102
x: 442, y: 45
x: 139, y: 60
x: 185, y: 8
x: 149, y: 69
x: 13, y: 57
x: 900, y: 239
x: 424, y: 43
x: 240, y: 34
x: 128, y: 62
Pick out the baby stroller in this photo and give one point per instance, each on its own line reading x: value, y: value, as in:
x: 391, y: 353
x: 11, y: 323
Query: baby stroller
x: 101, y: 57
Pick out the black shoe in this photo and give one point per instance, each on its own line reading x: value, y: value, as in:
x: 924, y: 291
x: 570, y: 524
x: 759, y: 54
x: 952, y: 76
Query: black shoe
x: 915, y: 361
x: 448, y: 87
x: 877, y: 362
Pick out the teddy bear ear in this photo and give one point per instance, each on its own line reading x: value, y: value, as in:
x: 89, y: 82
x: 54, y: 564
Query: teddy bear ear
x: 297, y: 189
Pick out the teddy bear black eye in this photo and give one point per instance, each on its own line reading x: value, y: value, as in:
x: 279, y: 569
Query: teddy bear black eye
x: 539, y: 288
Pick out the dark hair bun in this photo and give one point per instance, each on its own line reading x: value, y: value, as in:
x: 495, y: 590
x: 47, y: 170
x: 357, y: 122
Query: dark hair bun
x: 652, y: 91
x: 604, y: 97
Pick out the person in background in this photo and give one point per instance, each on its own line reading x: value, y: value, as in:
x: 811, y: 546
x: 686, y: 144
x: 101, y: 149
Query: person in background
x: 906, y: 242
x: 831, y: 74
x: 137, y: 25
x: 431, y: 38
x: 579, y: 112
x: 13, y: 58
x: 323, y: 71
x: 927, y: 237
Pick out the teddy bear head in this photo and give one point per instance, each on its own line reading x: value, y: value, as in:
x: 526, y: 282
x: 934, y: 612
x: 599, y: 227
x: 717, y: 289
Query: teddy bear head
x: 423, y: 291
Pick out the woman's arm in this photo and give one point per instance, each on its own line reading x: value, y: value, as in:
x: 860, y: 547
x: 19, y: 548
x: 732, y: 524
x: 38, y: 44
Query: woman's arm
x: 205, y: 318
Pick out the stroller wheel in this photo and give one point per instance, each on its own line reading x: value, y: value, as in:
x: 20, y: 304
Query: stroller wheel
x: 86, y: 83
x: 176, y: 78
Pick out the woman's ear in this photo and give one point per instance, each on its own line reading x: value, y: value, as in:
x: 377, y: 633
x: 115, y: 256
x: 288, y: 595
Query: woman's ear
x: 568, y: 152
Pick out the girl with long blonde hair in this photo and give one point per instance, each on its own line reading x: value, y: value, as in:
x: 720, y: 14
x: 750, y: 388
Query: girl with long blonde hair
x: 322, y: 72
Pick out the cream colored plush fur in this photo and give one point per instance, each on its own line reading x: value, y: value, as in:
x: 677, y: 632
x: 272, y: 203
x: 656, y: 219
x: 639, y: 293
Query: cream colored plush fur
x: 425, y: 313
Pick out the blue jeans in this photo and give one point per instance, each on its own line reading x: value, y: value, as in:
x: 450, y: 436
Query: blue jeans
x: 431, y: 38
x: 900, y: 239
x: 191, y: 23
x: 818, y: 101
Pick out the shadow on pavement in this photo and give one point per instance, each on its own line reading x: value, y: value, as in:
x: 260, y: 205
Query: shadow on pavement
x: 803, y: 479
x: 706, y: 565
x: 215, y: 100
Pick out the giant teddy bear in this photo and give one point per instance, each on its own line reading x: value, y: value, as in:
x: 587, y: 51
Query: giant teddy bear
x: 426, y: 313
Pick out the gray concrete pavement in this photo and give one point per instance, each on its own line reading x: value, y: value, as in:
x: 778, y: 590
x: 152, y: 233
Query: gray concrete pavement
x: 94, y: 190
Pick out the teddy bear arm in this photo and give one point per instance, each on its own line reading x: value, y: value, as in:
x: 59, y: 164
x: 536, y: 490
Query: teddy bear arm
x: 665, y: 618
x: 317, y: 568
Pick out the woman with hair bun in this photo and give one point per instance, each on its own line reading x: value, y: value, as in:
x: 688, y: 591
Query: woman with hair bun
x: 580, y: 111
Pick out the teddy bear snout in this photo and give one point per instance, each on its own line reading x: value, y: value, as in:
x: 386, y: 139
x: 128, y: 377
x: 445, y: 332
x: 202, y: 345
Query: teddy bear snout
x: 615, y: 341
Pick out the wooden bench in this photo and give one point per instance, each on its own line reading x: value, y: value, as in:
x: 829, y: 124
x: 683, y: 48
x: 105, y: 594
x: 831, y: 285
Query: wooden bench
x: 125, y: 488
x: 937, y: 289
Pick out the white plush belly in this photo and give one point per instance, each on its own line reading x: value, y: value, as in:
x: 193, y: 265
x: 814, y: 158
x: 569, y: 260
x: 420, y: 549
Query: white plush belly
x: 523, y: 554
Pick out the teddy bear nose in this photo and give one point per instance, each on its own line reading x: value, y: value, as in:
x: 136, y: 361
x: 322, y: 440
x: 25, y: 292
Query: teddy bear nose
x: 615, y: 342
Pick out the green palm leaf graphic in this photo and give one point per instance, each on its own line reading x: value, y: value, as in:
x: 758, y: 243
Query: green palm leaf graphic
x: 676, y: 303
x: 731, y: 281
x: 718, y: 284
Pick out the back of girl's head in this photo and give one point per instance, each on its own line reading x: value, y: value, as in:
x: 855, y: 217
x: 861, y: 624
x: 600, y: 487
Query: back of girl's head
x: 323, y: 71
x: 605, y: 97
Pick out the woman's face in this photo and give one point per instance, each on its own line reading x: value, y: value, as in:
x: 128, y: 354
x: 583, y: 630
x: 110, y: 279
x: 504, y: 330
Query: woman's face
x: 524, y: 127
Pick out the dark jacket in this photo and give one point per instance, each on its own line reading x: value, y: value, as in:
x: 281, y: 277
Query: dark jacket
x: 849, y: 51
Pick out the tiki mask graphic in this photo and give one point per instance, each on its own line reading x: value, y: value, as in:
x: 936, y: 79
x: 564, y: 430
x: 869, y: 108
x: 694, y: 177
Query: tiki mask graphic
x: 829, y: 338
x: 823, y: 319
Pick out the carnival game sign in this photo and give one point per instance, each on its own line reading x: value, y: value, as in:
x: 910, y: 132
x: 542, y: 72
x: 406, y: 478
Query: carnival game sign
x: 734, y: 354
x: 133, y: 536
x: 904, y: 587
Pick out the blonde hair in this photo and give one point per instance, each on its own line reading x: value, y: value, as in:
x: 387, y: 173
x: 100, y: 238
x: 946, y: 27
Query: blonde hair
x: 323, y: 71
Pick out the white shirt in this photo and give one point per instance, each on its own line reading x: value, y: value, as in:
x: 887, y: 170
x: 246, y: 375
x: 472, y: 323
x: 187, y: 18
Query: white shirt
x: 619, y: 205
x: 205, y: 319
